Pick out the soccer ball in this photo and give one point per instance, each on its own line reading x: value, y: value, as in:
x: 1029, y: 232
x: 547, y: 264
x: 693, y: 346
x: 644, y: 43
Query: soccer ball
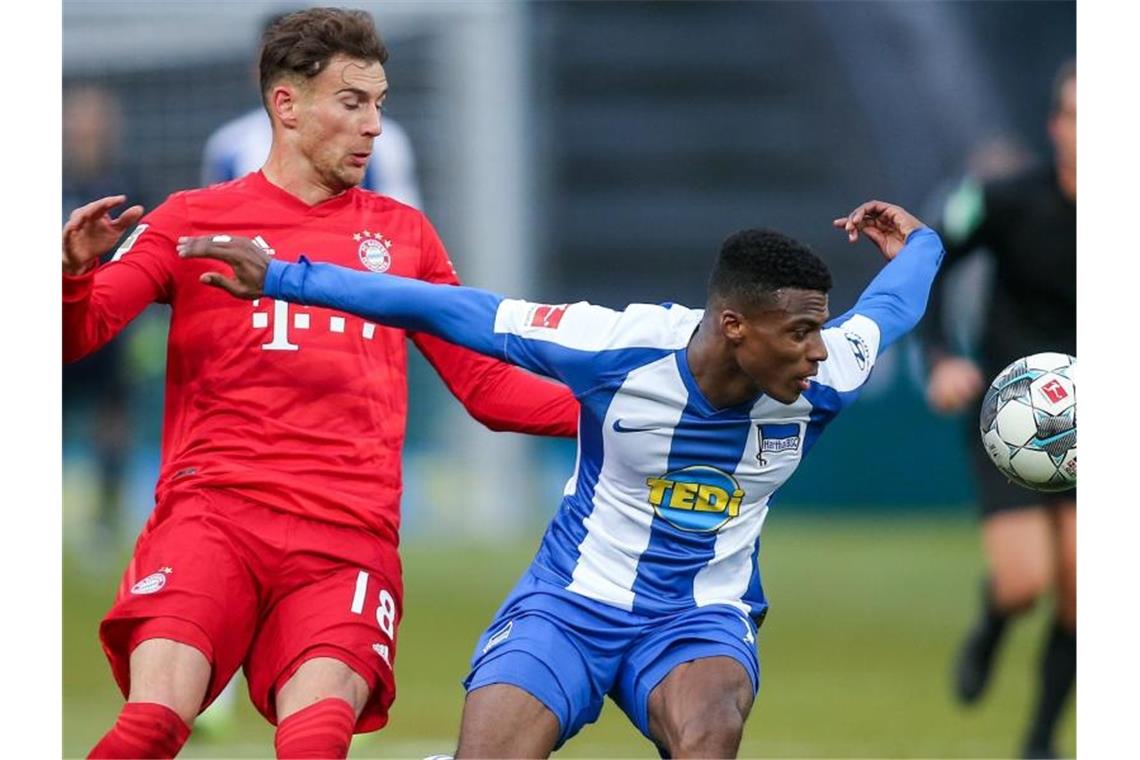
x: 1029, y: 422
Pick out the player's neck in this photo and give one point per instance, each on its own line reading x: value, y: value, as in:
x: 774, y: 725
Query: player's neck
x: 716, y: 372
x: 296, y: 177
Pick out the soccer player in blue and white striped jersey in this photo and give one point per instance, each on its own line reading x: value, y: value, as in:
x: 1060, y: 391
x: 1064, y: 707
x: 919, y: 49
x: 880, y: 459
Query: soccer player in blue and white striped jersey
x: 646, y: 585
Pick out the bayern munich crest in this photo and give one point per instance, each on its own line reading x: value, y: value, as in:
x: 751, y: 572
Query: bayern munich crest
x: 375, y: 250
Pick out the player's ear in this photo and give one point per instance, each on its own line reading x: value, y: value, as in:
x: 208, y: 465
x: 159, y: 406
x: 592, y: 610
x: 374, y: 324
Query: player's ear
x: 732, y: 325
x: 283, y: 102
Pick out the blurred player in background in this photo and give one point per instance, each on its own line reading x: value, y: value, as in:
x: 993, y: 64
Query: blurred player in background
x: 241, y: 146
x: 95, y: 389
x: 1029, y: 225
x: 273, y: 542
x: 646, y: 586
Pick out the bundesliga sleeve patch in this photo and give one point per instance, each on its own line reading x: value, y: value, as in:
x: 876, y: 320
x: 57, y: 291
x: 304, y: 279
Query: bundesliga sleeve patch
x: 129, y: 242
x: 548, y: 316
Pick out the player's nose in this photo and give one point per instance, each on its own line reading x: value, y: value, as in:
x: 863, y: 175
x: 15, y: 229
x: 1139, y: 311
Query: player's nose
x: 372, y: 125
x: 817, y: 349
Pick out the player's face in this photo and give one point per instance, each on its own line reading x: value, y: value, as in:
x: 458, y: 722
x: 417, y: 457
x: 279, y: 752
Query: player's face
x: 339, y: 117
x: 1063, y: 126
x: 781, y: 347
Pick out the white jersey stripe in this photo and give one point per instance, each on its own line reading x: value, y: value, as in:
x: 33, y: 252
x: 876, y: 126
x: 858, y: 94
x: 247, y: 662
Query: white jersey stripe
x: 583, y: 326
x: 618, y: 527
x: 726, y: 578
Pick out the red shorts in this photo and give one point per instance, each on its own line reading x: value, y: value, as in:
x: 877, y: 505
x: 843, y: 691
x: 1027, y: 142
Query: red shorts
x: 260, y: 589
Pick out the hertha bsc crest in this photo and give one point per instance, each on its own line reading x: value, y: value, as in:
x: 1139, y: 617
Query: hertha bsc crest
x: 374, y: 251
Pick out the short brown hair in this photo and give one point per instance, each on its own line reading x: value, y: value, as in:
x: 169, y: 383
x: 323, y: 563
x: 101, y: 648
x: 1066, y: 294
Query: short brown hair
x: 302, y: 43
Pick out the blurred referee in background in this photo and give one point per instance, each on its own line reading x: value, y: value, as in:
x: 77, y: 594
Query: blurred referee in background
x: 1028, y: 223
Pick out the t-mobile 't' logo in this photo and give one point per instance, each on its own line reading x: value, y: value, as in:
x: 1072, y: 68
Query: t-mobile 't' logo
x: 285, y: 315
x: 280, y: 340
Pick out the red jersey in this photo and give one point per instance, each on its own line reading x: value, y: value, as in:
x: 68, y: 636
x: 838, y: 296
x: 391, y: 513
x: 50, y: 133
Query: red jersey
x: 300, y: 408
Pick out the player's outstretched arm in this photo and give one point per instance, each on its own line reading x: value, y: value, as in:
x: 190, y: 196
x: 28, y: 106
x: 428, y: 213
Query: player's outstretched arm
x: 896, y: 299
x: 461, y: 315
x: 887, y: 226
x: 91, y: 231
x: 99, y: 301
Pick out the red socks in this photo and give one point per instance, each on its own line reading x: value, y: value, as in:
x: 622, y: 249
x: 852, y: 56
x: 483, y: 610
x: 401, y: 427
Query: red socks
x: 149, y: 730
x: 321, y: 730
x: 143, y: 730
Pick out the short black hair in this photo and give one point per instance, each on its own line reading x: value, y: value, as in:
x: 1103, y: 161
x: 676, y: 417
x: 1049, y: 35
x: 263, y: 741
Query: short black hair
x: 754, y: 264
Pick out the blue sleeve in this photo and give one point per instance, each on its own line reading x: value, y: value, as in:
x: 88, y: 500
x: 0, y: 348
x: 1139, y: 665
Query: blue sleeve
x: 896, y: 299
x: 580, y: 344
x: 460, y: 315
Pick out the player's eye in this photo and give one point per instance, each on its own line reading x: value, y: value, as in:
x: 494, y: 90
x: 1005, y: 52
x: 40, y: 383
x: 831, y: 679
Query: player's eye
x: 350, y: 105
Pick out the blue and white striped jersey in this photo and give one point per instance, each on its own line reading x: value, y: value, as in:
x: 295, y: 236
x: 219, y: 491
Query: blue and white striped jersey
x: 665, y: 506
x: 669, y: 494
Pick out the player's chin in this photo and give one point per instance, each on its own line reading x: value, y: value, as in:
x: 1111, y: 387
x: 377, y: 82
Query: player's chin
x: 790, y: 392
x: 785, y: 396
x: 352, y: 174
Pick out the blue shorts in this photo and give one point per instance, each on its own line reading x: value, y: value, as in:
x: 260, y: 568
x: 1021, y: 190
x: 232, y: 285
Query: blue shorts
x: 569, y: 652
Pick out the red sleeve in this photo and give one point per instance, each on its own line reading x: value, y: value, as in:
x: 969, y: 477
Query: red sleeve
x: 100, y: 302
x: 500, y: 396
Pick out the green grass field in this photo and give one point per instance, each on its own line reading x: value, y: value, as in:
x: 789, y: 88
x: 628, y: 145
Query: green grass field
x: 855, y: 653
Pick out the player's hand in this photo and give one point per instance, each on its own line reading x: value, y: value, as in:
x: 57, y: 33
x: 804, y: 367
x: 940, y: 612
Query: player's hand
x: 248, y: 261
x: 91, y: 231
x: 954, y: 383
x: 886, y: 224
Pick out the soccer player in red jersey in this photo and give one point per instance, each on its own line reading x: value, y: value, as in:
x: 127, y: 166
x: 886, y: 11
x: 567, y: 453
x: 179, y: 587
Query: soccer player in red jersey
x: 273, y: 542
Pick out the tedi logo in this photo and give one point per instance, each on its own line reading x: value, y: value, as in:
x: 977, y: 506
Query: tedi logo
x: 697, y: 498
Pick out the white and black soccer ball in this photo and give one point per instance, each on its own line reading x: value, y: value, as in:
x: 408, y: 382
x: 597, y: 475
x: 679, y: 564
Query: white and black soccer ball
x: 1029, y: 422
